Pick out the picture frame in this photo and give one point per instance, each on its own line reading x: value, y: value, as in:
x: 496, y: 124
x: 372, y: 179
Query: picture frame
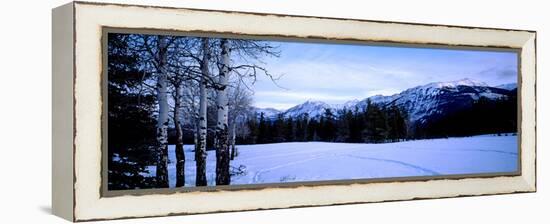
x: 78, y: 79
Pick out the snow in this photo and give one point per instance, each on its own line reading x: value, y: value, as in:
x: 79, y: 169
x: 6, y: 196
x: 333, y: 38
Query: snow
x: 312, y: 108
x: 492, y: 96
x: 317, y: 161
x: 349, y: 105
x: 454, y: 84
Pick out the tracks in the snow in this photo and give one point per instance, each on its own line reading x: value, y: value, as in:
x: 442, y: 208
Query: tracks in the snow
x: 257, y: 176
x: 418, y: 168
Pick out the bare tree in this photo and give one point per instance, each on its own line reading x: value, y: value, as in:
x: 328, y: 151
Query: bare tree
x: 182, y: 73
x: 187, y: 60
x: 177, y: 81
x: 154, y: 55
x: 180, y: 154
x: 222, y: 143
x: 200, y: 151
x: 240, y: 102
x: 162, y: 124
x: 190, y: 100
x: 248, y: 53
x: 194, y: 59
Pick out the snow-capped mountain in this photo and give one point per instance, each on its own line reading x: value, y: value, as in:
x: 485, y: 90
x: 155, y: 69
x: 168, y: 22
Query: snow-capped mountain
x: 347, y: 105
x: 268, y: 112
x: 317, y: 108
x: 312, y: 108
x: 438, y: 98
x: 420, y: 103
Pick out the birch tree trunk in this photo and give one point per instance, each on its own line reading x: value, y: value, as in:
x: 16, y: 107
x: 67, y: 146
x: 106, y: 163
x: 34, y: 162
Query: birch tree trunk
x: 162, y: 122
x: 233, y: 138
x: 200, y: 151
x: 180, y: 154
x: 196, y: 136
x: 222, y: 148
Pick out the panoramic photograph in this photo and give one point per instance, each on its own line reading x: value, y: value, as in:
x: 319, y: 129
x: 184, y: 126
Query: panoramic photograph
x: 189, y: 111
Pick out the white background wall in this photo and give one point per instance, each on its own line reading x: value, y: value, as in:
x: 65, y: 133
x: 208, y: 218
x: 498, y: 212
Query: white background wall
x: 25, y: 114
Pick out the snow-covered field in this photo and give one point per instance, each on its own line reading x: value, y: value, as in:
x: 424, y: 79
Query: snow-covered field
x: 315, y: 161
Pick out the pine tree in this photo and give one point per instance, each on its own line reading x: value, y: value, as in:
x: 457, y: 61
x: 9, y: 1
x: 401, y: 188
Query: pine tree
x: 329, y: 126
x: 290, y: 133
x: 254, y: 130
x: 262, y: 130
x: 356, y: 124
x: 130, y: 121
x: 279, y: 129
x: 376, y: 124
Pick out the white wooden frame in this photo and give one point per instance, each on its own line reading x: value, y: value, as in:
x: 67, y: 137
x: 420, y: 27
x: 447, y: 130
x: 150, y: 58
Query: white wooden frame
x: 77, y: 108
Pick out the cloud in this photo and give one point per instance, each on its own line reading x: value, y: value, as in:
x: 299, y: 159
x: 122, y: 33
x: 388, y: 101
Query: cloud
x: 336, y: 75
x: 500, y: 74
x: 303, y: 96
x: 384, y: 92
x: 503, y: 72
x: 278, y: 106
x: 507, y: 73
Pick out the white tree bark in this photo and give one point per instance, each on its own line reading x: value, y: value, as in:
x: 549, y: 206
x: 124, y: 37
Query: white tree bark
x: 162, y: 122
x: 233, y: 139
x: 180, y: 155
x: 200, y: 152
x: 222, y: 134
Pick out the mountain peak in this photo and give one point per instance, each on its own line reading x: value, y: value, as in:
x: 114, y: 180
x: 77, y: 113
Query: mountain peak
x: 311, y: 107
x: 346, y: 105
x: 268, y: 112
x: 460, y: 82
x: 313, y: 102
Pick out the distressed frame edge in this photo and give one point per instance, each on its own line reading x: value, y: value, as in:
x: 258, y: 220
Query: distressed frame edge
x: 62, y: 77
x: 529, y: 110
x: 533, y: 189
x: 303, y: 206
x: 296, y: 16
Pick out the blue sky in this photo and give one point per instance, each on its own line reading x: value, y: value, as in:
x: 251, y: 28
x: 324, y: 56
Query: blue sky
x: 336, y: 73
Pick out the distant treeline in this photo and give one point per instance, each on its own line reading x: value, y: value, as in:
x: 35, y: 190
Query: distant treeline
x: 485, y: 116
x: 373, y: 124
x: 383, y: 124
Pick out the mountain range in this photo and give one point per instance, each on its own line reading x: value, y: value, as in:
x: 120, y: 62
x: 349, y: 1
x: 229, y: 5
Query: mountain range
x: 420, y: 103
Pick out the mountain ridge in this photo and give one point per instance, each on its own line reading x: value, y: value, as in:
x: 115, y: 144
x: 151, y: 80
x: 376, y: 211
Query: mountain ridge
x: 420, y: 102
